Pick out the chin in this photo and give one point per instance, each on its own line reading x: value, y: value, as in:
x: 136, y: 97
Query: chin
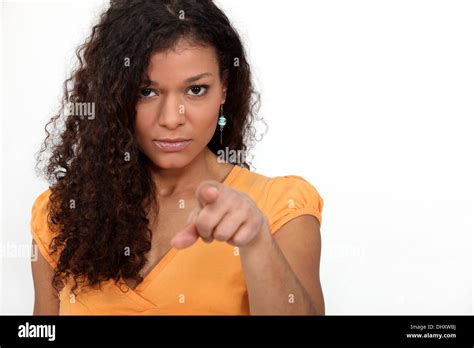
x: 172, y: 162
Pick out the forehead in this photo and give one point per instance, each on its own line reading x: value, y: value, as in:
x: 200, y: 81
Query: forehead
x: 182, y: 61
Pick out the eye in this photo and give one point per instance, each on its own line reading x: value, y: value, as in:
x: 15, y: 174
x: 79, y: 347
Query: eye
x: 146, y: 93
x: 198, y: 90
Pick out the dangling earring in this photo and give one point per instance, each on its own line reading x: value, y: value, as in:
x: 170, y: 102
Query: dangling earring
x: 222, y: 120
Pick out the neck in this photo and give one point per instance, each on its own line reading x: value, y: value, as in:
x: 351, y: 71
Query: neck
x: 184, y: 180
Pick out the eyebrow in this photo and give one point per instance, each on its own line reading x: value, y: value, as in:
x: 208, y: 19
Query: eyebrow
x: 188, y: 80
x: 197, y: 77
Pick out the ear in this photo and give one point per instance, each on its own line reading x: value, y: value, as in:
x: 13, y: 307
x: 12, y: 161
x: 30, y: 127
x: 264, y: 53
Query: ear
x: 225, y: 78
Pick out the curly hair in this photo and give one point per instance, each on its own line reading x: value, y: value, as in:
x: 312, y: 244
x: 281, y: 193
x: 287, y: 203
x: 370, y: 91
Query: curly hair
x: 100, y: 181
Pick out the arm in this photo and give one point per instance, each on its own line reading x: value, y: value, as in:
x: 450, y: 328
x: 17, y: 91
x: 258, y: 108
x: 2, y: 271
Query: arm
x: 46, y: 297
x: 282, y: 271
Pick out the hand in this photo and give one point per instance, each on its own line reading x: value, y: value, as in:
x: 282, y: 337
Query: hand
x: 224, y: 214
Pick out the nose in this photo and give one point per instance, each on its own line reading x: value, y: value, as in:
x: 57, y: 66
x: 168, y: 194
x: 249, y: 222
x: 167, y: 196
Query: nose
x: 172, y: 114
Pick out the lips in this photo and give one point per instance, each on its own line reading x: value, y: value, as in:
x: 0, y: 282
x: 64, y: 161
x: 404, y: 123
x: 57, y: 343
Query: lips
x: 172, y: 140
x: 172, y: 145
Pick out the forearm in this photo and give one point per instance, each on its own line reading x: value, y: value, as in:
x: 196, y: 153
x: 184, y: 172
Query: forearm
x: 273, y: 287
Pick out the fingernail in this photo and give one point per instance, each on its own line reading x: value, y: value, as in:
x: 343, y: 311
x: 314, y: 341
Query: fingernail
x: 213, y: 188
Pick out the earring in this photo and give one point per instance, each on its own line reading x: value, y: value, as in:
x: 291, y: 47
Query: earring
x: 222, y: 121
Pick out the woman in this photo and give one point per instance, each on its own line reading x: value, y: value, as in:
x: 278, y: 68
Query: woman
x: 142, y: 216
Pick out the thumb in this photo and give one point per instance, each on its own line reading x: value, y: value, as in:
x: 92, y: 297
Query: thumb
x: 188, y: 235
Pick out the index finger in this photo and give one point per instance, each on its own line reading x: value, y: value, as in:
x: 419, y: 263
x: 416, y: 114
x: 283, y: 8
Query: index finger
x: 207, y: 192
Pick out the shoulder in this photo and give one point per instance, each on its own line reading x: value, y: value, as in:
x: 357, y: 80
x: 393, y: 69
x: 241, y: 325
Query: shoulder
x: 40, y: 203
x: 282, y: 198
x: 290, y: 196
x: 40, y: 230
x: 294, y: 189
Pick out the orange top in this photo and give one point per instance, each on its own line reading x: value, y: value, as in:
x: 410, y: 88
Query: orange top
x: 204, y: 279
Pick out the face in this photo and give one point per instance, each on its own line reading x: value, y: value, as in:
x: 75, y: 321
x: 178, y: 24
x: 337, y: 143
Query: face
x: 181, y: 100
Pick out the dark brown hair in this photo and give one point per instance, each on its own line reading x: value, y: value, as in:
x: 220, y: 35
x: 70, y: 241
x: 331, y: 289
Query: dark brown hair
x: 99, y: 200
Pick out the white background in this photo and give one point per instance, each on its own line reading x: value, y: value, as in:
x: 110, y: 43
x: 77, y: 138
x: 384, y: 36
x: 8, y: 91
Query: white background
x: 371, y: 101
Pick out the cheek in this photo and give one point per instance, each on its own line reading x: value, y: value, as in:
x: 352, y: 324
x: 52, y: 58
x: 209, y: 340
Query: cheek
x: 144, y: 116
x: 144, y: 119
x: 203, y: 118
x: 202, y: 128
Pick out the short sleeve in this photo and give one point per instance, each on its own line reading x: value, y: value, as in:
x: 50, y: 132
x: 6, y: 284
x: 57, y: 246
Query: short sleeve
x: 289, y: 197
x: 39, y: 227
